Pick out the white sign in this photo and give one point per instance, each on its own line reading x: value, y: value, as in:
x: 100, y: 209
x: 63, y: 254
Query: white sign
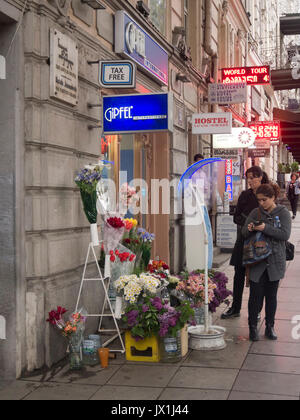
x: 241, y: 138
x: 219, y: 123
x: 2, y: 328
x: 226, y: 232
x: 117, y: 74
x: 226, y: 153
x: 63, y: 68
x: 2, y: 67
x: 219, y: 93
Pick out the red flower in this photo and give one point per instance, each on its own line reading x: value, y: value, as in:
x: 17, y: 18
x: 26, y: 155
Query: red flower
x: 132, y: 257
x: 165, y: 267
x: 112, y: 258
x: 115, y: 222
x: 111, y: 252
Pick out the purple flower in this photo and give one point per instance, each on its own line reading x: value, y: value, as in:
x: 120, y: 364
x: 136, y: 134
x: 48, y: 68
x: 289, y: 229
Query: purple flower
x: 145, y: 308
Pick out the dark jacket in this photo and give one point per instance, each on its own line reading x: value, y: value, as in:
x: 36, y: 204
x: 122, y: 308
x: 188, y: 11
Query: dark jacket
x: 246, y: 203
x: 277, y: 237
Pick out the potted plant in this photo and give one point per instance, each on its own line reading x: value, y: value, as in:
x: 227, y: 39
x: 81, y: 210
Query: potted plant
x: 288, y: 171
x: 295, y: 167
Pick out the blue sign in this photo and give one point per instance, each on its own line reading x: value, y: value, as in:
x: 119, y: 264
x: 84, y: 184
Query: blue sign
x: 133, y: 42
x: 137, y: 113
x: 229, y: 186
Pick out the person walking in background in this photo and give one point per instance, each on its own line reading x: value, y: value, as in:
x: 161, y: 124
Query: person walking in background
x: 246, y: 203
x: 275, y: 223
x: 292, y: 192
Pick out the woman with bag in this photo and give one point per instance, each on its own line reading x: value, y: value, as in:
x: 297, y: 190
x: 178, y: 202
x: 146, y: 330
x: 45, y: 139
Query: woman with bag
x: 274, y: 221
x: 246, y: 203
x: 292, y: 192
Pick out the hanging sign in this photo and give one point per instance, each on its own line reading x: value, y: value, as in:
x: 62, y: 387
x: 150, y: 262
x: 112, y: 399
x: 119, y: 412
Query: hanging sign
x: 133, y: 42
x: 258, y: 153
x: 229, y: 179
x: 266, y: 130
x: 219, y: 123
x: 2, y: 67
x: 117, y: 74
x: 241, y: 138
x: 138, y: 113
x: 257, y: 75
x: 219, y: 93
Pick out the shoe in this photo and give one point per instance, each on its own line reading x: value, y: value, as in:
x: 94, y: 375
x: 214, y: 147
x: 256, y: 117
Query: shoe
x: 270, y: 333
x: 294, y: 217
x: 253, y: 333
x: 230, y: 314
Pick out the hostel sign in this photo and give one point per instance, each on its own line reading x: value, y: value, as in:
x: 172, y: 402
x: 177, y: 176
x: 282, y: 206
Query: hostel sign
x: 213, y: 123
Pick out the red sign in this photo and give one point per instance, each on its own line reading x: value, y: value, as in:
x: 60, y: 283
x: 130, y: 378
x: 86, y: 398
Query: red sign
x: 251, y: 75
x: 228, y: 167
x: 266, y: 130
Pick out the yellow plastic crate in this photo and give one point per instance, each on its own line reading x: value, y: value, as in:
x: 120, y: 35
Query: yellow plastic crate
x: 146, y: 350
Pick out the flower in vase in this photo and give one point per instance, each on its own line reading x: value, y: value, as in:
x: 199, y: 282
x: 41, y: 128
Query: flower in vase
x: 115, y: 222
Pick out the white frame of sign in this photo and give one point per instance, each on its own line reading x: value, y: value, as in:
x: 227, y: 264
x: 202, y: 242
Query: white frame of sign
x: 126, y: 85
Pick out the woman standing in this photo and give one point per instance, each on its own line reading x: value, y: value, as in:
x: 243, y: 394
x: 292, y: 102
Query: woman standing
x: 246, y: 203
x: 275, y: 223
x: 292, y: 192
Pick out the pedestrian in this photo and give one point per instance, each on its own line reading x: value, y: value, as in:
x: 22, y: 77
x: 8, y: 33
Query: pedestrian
x: 246, y: 203
x: 292, y: 192
x: 275, y: 223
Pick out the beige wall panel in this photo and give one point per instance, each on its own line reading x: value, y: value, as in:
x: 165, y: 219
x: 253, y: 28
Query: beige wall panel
x: 59, y: 127
x: 33, y: 114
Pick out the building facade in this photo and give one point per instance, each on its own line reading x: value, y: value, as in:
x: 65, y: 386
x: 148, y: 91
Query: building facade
x: 47, y: 135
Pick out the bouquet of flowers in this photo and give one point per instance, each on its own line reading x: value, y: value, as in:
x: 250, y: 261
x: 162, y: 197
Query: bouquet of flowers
x: 113, y: 231
x: 154, y: 316
x: 159, y: 268
x: 87, y: 180
x: 220, y: 280
x: 193, y: 286
x: 128, y: 197
x: 132, y: 286
x: 146, y: 240
x: 73, y: 330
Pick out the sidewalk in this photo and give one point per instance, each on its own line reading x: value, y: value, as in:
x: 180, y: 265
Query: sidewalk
x: 243, y: 371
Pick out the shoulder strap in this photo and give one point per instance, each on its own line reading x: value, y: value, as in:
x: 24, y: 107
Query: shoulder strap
x: 258, y: 214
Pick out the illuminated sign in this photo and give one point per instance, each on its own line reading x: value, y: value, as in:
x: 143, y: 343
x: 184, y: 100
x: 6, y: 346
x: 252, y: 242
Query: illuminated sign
x: 241, y: 138
x: 266, y: 130
x: 137, y: 113
x: 228, y: 179
x: 133, y: 42
x: 218, y: 123
x: 251, y: 75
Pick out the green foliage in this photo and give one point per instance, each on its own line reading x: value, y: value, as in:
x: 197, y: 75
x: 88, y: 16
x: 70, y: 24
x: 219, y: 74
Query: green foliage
x: 295, y: 167
x: 288, y: 168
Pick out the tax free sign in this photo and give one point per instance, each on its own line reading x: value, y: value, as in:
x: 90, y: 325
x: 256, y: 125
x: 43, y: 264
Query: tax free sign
x: 138, y: 113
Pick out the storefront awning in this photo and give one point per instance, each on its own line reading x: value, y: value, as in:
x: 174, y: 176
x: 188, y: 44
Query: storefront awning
x: 284, y: 80
x: 290, y: 24
x: 290, y: 130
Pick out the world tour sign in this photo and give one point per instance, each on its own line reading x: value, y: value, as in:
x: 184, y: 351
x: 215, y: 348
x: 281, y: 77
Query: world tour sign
x: 137, y: 113
x: 133, y: 42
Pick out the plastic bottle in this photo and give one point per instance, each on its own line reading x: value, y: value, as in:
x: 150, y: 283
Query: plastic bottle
x: 277, y: 223
x: 89, y: 353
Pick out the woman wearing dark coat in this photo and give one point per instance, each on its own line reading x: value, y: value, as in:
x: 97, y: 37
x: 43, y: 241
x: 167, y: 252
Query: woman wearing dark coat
x: 265, y: 276
x: 246, y: 203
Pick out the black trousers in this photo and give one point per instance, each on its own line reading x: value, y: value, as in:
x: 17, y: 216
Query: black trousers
x: 238, y: 289
x: 258, y: 291
x: 294, y: 204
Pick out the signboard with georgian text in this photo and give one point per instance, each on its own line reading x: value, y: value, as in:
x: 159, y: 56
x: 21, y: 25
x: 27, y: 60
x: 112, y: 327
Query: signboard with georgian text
x: 63, y: 68
x: 219, y: 93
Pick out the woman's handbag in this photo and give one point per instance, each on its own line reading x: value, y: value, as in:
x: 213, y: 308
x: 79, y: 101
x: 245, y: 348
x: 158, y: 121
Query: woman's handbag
x: 256, y: 249
x: 290, y: 251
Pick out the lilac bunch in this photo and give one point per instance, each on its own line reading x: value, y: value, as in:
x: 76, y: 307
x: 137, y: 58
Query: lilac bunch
x: 168, y: 320
x: 221, y: 293
x: 132, y: 318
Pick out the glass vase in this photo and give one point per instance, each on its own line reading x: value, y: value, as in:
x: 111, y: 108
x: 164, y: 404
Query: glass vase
x: 75, y: 352
x: 200, y: 316
x: 170, y: 348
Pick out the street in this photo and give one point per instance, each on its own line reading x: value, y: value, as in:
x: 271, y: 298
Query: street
x: 264, y: 370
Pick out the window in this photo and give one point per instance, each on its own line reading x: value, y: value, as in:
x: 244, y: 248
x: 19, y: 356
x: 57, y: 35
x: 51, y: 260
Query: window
x: 158, y: 14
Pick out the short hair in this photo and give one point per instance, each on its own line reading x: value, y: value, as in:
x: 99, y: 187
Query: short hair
x: 269, y: 190
x: 294, y: 174
x: 198, y: 157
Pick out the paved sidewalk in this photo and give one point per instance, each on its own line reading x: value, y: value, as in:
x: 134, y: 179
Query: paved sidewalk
x: 243, y: 371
